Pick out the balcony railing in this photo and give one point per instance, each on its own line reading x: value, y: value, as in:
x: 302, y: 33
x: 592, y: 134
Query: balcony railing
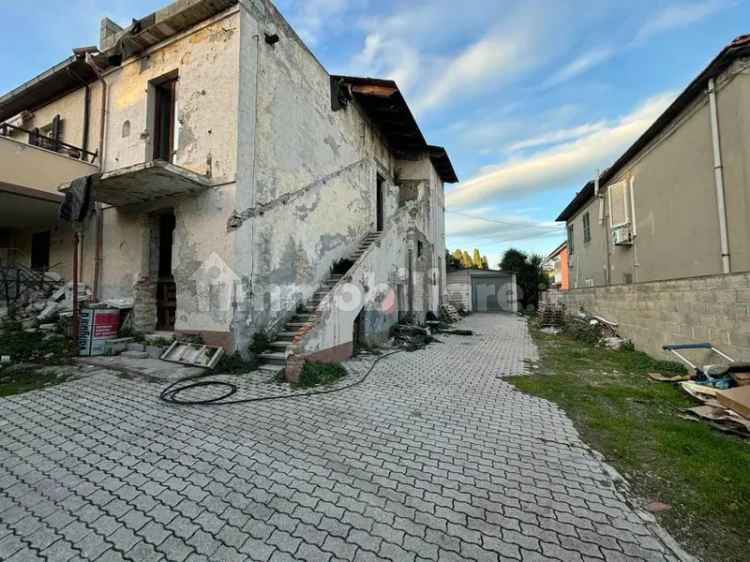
x: 49, y: 143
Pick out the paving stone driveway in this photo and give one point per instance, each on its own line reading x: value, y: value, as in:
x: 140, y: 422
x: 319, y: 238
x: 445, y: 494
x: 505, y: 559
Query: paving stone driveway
x: 433, y: 457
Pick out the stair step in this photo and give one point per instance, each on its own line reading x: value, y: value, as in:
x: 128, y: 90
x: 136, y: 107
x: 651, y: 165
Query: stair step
x: 304, y: 318
x: 271, y: 368
x: 298, y: 324
x: 273, y: 358
x: 279, y: 344
x: 286, y: 335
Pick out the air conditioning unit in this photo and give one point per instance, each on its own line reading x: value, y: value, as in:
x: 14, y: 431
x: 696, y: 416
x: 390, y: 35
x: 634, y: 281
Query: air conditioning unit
x: 622, y: 236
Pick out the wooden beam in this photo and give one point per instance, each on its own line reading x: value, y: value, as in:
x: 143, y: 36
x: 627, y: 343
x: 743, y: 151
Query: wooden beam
x: 374, y: 90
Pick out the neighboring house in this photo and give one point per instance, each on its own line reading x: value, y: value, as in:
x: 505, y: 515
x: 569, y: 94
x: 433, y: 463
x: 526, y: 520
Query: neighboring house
x: 556, y: 266
x: 232, y: 173
x: 480, y: 290
x: 677, y: 203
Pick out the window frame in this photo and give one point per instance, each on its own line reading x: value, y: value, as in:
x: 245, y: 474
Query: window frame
x: 571, y: 237
x: 586, y: 227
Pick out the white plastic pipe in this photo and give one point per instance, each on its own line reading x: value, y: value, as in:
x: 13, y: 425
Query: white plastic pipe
x: 719, y: 177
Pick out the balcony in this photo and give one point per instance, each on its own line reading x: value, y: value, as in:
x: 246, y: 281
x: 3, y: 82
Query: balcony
x: 29, y: 177
x: 143, y: 183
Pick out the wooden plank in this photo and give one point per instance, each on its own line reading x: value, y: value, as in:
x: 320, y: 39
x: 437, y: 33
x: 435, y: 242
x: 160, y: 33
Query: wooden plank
x: 736, y: 399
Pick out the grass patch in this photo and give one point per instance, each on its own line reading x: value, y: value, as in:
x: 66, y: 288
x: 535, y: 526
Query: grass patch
x: 24, y: 347
x: 701, y: 472
x: 317, y: 374
x: 25, y: 379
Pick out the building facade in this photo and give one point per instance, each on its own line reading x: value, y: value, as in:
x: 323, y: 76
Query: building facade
x: 231, y: 172
x: 677, y: 203
x: 557, y: 268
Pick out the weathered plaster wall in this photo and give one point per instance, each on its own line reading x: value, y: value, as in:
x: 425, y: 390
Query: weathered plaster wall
x: 310, y: 195
x: 206, y: 60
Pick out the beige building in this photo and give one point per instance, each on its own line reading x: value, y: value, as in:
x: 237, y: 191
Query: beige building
x: 677, y: 203
x: 231, y: 172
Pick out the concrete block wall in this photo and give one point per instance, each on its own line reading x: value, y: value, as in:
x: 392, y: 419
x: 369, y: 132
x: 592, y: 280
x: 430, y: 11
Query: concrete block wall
x: 711, y: 308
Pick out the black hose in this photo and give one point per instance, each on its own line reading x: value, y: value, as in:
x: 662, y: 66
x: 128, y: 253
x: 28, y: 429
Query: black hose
x: 170, y: 393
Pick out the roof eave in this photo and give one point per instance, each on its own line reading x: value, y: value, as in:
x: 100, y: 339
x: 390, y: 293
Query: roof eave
x: 736, y: 49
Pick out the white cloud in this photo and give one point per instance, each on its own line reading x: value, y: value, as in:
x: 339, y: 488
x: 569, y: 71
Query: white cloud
x: 677, y: 16
x: 581, y: 64
x: 497, y: 54
x: 556, y: 137
x: 480, y: 225
x: 433, y: 62
x: 562, y: 164
x: 482, y: 228
x: 310, y: 17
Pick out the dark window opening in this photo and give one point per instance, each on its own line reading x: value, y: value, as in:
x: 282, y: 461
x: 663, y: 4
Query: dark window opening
x: 419, y: 248
x: 166, y: 289
x: 379, y: 202
x: 164, y: 119
x: 40, y: 244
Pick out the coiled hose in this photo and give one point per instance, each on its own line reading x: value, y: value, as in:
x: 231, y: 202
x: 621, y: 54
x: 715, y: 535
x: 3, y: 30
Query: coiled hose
x: 170, y: 394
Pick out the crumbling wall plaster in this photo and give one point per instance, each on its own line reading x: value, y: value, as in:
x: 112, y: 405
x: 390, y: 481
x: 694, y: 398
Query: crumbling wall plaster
x: 206, y: 60
x: 308, y: 193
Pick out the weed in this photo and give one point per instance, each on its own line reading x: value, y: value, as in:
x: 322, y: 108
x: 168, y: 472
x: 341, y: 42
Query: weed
x: 316, y: 374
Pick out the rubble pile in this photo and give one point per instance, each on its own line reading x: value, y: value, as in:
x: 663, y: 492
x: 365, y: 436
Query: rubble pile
x: 44, y: 309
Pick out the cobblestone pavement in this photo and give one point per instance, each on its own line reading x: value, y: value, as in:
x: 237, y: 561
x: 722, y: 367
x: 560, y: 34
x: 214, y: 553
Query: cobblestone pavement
x: 433, y: 457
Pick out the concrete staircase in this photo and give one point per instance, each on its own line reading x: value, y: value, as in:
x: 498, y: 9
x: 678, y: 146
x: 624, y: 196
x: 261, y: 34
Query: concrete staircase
x: 307, y: 315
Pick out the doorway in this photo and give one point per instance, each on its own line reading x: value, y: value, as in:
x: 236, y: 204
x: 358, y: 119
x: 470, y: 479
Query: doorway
x: 40, y: 244
x: 380, y: 196
x: 165, y: 97
x: 166, y: 289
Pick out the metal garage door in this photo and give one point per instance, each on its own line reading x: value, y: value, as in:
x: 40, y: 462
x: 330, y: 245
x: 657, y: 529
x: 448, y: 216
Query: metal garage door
x: 489, y: 294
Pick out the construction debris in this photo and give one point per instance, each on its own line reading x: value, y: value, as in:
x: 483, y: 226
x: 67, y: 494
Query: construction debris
x: 551, y: 315
x: 449, y: 313
x: 736, y: 399
x: 193, y: 354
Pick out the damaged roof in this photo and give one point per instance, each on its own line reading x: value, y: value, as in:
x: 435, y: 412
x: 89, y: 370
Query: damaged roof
x: 738, y: 48
x: 74, y: 72
x: 384, y: 104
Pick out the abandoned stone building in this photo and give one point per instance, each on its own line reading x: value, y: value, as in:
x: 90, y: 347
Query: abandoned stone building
x: 239, y: 187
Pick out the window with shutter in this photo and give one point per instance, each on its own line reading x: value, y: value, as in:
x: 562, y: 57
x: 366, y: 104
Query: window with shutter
x: 586, y: 227
x: 618, y: 204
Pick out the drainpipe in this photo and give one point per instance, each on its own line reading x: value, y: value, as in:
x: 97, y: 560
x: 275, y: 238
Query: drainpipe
x: 719, y: 177
x: 99, y: 209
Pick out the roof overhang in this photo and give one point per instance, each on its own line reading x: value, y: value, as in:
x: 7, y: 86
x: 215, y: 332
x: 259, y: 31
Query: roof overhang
x: 738, y: 48
x: 75, y: 72
x: 145, y: 182
x: 443, y: 164
x: 384, y: 104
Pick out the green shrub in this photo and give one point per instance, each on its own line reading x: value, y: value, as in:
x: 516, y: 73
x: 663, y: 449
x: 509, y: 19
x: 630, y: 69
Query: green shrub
x: 260, y: 344
x: 316, y: 374
x: 233, y: 363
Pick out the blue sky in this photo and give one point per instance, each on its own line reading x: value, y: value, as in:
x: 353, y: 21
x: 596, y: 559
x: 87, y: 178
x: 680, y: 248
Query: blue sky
x: 529, y: 97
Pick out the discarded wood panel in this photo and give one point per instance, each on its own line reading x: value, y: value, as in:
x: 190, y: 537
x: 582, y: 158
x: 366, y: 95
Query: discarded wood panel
x: 658, y: 377
x: 699, y: 391
x: 737, y: 399
x: 193, y: 354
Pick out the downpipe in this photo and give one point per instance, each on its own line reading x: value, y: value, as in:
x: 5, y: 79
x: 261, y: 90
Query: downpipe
x: 719, y: 177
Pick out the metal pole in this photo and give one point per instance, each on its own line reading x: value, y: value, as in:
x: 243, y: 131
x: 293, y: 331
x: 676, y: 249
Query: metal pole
x: 76, y: 316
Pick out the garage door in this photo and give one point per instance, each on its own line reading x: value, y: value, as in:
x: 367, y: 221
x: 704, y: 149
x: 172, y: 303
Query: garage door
x: 491, y: 294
